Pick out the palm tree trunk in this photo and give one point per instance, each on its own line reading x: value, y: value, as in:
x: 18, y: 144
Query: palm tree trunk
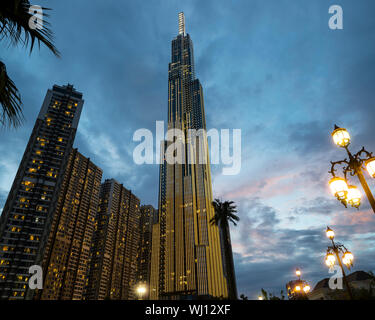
x: 229, y: 263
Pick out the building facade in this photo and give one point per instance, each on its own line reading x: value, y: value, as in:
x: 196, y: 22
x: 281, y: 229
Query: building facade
x: 28, y: 213
x: 67, y: 256
x: 192, y: 265
x: 158, y: 233
x: 147, y: 217
x: 113, y: 273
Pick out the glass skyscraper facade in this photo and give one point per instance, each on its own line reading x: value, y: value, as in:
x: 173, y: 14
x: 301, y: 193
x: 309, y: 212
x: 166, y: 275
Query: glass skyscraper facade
x: 189, y: 260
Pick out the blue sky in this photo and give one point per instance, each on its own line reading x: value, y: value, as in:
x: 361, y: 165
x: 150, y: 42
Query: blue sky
x: 270, y: 68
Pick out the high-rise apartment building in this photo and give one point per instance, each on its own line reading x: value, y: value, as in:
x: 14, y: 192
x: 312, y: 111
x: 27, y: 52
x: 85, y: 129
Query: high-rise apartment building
x: 191, y: 265
x: 113, y: 273
x: 66, y: 259
x: 147, y: 217
x: 28, y: 213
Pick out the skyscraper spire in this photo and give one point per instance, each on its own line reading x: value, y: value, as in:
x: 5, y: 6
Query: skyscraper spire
x: 181, y: 23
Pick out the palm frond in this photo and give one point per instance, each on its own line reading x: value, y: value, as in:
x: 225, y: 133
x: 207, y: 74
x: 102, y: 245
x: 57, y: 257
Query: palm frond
x: 234, y: 217
x: 224, y: 211
x: 14, y: 25
x: 10, y: 100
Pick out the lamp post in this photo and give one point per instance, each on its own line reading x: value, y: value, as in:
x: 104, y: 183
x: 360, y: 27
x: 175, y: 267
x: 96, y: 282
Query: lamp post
x: 333, y: 253
x: 348, y: 194
x: 297, y: 289
x: 141, y: 290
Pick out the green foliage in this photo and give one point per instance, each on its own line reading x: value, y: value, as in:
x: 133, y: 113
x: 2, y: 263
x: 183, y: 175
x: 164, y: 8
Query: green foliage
x: 224, y: 211
x: 270, y: 296
x: 10, y: 100
x: 15, y: 29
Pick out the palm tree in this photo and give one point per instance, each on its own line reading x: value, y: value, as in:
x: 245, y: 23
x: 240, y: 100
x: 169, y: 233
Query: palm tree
x: 15, y: 28
x: 225, y: 212
x: 243, y: 297
x: 270, y: 296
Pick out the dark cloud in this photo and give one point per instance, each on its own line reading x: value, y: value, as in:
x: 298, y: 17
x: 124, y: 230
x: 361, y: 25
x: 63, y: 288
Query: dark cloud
x: 319, y: 205
x: 270, y: 254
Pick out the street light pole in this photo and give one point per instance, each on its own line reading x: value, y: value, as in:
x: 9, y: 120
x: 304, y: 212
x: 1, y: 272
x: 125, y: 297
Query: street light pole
x: 347, y: 258
x: 357, y: 166
x: 365, y: 187
x: 349, y: 290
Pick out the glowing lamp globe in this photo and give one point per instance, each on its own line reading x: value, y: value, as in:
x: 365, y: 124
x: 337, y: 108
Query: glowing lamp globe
x: 297, y: 288
x: 298, y: 272
x: 354, y: 196
x: 330, y: 260
x: 141, y: 290
x: 370, y: 166
x: 306, y: 288
x: 339, y: 188
x: 341, y: 137
x: 348, y: 258
x: 329, y: 233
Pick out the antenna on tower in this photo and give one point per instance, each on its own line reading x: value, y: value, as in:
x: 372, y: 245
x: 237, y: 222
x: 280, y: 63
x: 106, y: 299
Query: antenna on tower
x: 181, y: 23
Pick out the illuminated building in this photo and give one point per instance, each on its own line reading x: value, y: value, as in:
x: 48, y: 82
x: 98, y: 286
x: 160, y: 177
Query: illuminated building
x: 147, y: 217
x: 67, y: 256
x: 28, y: 213
x: 114, y: 264
x: 189, y: 258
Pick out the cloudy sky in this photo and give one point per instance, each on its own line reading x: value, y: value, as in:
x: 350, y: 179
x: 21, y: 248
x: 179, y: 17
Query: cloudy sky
x: 270, y: 68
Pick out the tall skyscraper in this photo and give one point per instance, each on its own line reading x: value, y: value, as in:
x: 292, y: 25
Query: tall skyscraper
x: 113, y: 273
x: 29, y: 210
x: 147, y: 217
x: 67, y: 256
x: 157, y: 275
x: 190, y: 259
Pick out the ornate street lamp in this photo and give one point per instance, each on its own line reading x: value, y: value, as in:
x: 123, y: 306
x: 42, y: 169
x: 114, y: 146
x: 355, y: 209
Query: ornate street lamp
x: 339, y: 188
x: 341, y: 137
x: 298, y: 273
x: 334, y: 252
x: 354, y: 196
x: 330, y: 259
x: 306, y: 288
x: 297, y: 289
x: 348, y: 194
x: 370, y: 166
x: 141, y: 290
